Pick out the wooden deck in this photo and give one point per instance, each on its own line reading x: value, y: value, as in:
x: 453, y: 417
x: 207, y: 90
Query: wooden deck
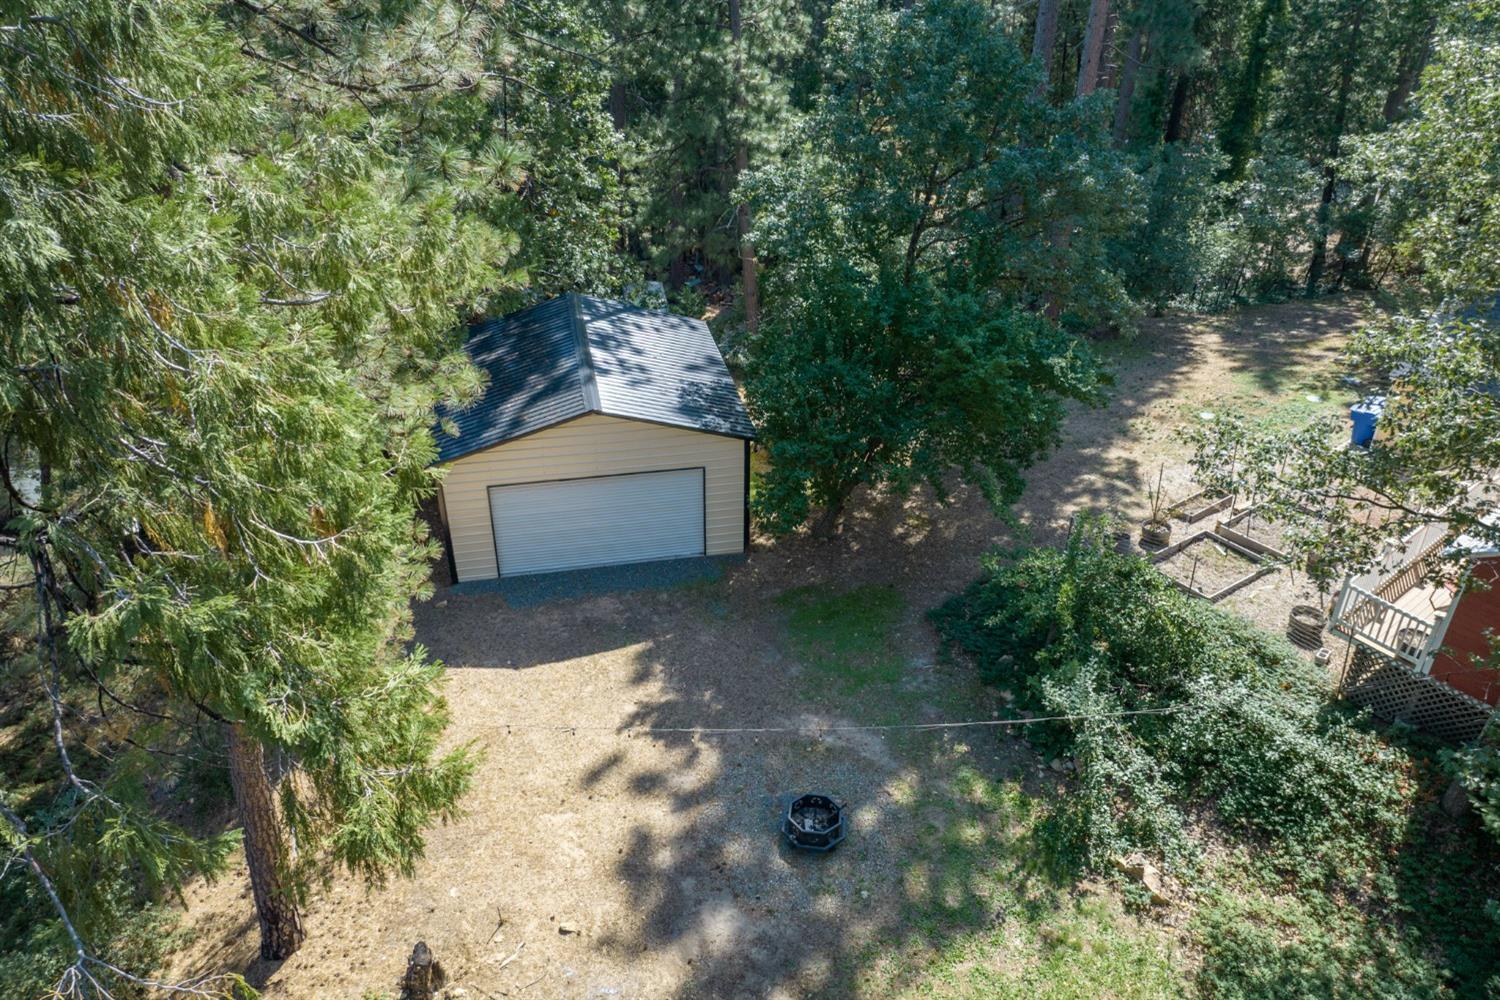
x: 1425, y: 601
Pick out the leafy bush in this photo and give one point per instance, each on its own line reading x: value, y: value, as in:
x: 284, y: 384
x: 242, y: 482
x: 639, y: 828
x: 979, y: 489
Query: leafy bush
x: 1162, y: 258
x: 1370, y: 889
x: 1478, y: 770
x: 1258, y: 243
x: 1247, y: 728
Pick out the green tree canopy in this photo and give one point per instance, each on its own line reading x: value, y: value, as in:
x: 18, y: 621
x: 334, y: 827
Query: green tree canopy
x: 230, y: 296
x: 1435, y: 361
x: 932, y: 213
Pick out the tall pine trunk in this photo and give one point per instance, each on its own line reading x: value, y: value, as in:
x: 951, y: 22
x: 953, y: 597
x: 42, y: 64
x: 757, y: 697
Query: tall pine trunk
x: 677, y: 269
x: 617, y: 104
x: 617, y: 115
x: 1319, y: 262
x: 749, y: 281
x: 1128, y: 70
x: 1239, y: 132
x: 281, y: 930
x: 1414, y: 59
x: 1177, y: 111
x: 1108, y: 66
x: 1357, y: 232
x: 1093, y: 48
x: 1042, y: 42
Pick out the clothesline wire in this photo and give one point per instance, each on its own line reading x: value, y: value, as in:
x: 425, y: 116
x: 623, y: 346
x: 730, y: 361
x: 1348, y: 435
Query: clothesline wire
x: 819, y: 730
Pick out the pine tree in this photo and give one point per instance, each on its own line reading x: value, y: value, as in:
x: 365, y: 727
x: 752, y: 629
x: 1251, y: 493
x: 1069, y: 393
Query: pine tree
x: 1160, y: 79
x: 696, y: 101
x: 1043, y: 41
x: 749, y: 282
x: 231, y: 290
x: 1091, y: 61
x: 554, y: 106
x: 1343, y: 60
x: 1237, y: 136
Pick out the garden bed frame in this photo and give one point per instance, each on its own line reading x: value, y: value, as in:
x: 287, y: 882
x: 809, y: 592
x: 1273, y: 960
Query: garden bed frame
x: 1228, y: 531
x: 1255, y: 557
x: 1201, y: 504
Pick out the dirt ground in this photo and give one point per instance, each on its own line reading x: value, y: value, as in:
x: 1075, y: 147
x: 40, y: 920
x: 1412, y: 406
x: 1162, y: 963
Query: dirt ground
x: 1264, y: 530
x: 1207, y: 566
x: 596, y: 862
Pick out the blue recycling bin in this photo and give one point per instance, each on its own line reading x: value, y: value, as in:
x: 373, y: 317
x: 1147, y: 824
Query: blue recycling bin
x: 1364, y: 415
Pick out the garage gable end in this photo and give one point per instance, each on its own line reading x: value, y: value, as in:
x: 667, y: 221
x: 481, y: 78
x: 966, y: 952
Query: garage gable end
x: 511, y: 509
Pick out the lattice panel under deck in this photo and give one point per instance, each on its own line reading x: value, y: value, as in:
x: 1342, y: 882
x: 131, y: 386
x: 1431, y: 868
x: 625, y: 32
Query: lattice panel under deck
x: 1394, y: 692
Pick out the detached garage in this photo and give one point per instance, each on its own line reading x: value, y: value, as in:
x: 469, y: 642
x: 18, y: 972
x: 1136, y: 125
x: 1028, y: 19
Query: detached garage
x: 608, y: 434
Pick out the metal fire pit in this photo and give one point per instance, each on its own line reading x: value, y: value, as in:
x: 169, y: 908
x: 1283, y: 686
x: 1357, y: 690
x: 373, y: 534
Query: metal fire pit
x: 814, y: 823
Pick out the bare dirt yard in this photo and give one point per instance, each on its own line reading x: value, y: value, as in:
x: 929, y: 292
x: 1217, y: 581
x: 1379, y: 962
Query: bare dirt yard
x: 599, y: 860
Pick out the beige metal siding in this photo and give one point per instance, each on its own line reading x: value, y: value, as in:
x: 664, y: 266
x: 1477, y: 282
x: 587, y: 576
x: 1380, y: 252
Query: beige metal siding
x: 592, y: 445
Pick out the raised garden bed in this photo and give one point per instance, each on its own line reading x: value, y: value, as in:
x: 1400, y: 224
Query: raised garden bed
x: 1210, y: 566
x: 1200, y: 505
x: 1252, y: 529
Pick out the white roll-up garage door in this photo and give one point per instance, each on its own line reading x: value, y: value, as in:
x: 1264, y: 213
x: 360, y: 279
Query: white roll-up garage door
x: 574, y: 523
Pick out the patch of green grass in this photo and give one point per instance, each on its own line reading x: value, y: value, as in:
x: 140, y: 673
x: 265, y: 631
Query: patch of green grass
x: 844, y: 638
x: 993, y: 914
x: 1291, y: 400
x: 988, y: 907
x: 1265, y: 945
x: 1126, y: 348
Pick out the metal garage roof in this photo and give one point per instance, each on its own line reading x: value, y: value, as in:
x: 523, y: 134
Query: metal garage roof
x: 578, y: 354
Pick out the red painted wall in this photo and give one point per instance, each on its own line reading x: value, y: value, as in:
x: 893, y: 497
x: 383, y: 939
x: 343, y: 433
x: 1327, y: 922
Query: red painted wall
x: 1478, y: 612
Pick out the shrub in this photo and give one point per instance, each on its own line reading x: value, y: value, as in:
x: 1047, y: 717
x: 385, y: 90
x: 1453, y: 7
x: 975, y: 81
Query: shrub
x: 1256, y: 246
x: 1478, y: 770
x: 1162, y: 257
x: 1247, y: 724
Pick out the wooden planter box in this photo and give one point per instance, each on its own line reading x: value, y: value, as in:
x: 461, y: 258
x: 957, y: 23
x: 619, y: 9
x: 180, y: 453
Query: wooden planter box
x: 1200, y: 505
x: 1229, y: 531
x: 1259, y: 571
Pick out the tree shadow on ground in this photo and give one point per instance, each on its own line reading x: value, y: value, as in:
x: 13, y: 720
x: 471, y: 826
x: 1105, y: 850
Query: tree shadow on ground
x: 944, y: 848
x: 947, y: 848
x: 1446, y: 870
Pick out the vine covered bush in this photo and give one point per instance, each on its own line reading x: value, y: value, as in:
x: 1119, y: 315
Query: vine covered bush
x: 1245, y: 723
x: 1478, y: 770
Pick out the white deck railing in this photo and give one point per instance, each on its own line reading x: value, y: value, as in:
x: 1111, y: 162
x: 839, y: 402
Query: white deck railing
x: 1361, y: 615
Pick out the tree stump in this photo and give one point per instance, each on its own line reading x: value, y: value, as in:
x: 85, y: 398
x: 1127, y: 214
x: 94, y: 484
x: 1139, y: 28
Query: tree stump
x: 424, y: 977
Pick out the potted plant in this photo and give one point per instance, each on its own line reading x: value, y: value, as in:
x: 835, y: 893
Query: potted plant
x: 1157, y: 530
